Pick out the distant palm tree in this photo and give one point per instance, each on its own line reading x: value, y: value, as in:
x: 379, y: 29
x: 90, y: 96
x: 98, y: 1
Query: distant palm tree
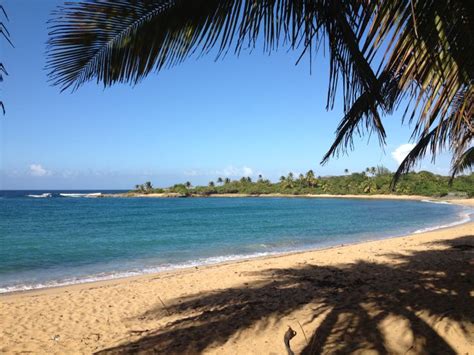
x: 288, y: 184
x: 148, y: 186
x: 211, y: 184
x: 282, y: 178
x: 249, y: 179
x: 219, y: 180
x: 382, y: 170
x: 417, y: 59
x: 310, y: 178
x: 226, y: 181
x: 346, y: 171
x: 260, y: 178
x: 290, y: 176
x: 187, y: 184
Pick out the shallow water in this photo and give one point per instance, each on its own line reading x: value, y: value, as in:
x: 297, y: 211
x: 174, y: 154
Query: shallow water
x: 58, y: 240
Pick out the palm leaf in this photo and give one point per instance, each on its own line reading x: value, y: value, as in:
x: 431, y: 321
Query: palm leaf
x: 463, y: 163
x: 123, y: 41
x: 6, y: 36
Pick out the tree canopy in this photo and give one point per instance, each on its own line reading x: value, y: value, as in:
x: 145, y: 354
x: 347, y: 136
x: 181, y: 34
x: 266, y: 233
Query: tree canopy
x: 377, y: 181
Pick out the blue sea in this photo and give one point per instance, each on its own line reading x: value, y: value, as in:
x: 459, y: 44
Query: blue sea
x: 59, y: 240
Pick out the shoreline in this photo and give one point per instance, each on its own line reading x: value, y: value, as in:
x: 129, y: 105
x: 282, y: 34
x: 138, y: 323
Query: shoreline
x: 465, y: 201
x: 118, y: 277
x: 246, y: 306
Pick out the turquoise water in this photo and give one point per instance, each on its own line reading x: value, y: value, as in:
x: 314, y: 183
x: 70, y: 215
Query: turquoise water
x: 53, y: 241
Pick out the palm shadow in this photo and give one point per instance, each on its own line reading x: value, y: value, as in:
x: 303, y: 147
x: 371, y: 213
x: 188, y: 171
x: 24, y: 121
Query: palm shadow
x: 351, y: 305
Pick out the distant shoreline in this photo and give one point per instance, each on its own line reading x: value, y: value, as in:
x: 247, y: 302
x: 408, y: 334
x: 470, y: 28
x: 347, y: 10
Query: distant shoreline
x: 455, y: 200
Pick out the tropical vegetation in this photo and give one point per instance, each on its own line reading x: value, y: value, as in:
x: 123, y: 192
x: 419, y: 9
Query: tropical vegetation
x: 374, y: 180
x: 383, y: 55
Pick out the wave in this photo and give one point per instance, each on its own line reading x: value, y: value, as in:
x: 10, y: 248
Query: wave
x: 465, y: 217
x: 122, y: 274
x: 437, y: 202
x: 45, y: 195
x: 77, y: 195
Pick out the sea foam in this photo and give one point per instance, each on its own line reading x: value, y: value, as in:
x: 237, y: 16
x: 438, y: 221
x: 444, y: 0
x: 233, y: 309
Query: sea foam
x: 123, y: 274
x: 464, y: 218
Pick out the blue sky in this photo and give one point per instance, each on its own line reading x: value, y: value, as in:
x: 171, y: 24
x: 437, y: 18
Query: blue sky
x: 203, y: 119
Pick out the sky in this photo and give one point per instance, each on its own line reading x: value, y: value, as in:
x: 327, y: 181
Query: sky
x: 237, y: 116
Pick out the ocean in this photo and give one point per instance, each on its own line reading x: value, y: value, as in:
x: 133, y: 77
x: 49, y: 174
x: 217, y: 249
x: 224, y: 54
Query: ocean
x: 59, y: 240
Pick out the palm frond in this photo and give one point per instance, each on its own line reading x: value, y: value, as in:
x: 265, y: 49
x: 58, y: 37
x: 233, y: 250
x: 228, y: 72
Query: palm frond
x: 433, y: 68
x: 418, y: 152
x: 6, y: 36
x: 362, y: 116
x: 124, y: 40
x: 464, y: 162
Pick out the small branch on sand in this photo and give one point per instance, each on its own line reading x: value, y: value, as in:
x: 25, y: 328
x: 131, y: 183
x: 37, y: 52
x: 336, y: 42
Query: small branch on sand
x: 164, y: 306
x: 290, y: 334
x: 304, y: 334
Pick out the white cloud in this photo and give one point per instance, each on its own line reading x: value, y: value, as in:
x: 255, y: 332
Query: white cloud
x: 191, y: 173
x: 235, y: 171
x: 402, y: 151
x: 247, y: 171
x: 38, y: 170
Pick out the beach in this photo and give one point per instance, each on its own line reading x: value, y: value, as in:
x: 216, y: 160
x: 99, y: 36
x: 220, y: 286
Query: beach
x: 404, y: 295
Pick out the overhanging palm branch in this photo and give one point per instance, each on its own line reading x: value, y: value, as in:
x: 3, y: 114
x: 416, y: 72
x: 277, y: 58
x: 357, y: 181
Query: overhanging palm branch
x: 123, y: 41
x: 422, y: 51
x: 5, y: 36
x: 464, y: 162
x: 429, y: 63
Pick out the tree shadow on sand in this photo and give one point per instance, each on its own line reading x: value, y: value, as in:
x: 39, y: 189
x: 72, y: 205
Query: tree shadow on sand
x: 351, y: 306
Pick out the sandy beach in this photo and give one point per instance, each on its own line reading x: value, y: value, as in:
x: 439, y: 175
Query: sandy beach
x: 465, y: 202
x: 405, y: 295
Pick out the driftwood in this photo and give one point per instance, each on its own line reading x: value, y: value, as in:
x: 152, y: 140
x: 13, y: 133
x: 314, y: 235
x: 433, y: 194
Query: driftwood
x: 290, y: 334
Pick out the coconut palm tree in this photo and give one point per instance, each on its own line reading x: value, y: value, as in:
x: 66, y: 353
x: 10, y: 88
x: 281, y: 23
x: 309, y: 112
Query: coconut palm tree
x: 219, y: 180
x: 187, y: 184
x: 417, y: 53
x: 226, y: 181
x: 211, y: 184
x: 148, y: 186
x: 346, y: 171
x: 282, y: 179
x: 310, y: 178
